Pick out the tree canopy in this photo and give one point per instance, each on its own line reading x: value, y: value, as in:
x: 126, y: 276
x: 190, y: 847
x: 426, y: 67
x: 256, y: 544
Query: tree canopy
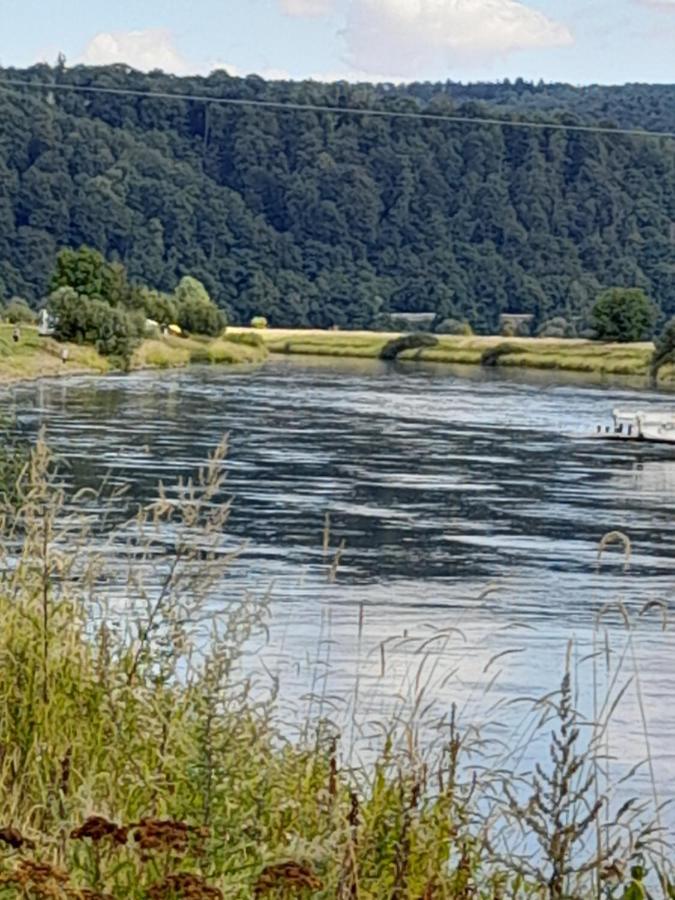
x: 93, y: 303
x: 195, y: 309
x: 623, y: 315
x: 315, y: 218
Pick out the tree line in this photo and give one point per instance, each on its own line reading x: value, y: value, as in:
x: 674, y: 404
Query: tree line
x: 322, y: 219
x: 92, y: 302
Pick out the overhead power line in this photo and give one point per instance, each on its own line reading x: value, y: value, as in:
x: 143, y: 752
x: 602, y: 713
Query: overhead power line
x: 334, y: 110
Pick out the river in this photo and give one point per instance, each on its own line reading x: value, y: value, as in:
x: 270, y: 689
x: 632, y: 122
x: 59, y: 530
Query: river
x: 440, y: 485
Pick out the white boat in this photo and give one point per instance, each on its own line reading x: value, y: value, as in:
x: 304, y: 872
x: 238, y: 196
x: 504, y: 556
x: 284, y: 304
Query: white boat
x: 639, y: 425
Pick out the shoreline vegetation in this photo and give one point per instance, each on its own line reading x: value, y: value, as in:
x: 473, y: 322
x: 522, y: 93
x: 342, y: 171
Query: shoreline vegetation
x: 129, y: 326
x: 546, y: 354
x: 33, y: 357
x: 141, y: 759
x: 324, y: 218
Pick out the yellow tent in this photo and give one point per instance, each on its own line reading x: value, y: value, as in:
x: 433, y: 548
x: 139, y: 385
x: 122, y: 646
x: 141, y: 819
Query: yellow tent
x: 175, y: 329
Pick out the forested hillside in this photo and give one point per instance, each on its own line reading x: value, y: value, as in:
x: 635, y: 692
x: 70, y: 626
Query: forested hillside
x: 317, y: 218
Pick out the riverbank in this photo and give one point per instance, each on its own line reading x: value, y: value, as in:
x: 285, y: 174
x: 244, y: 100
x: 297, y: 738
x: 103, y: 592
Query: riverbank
x: 569, y: 355
x: 33, y: 357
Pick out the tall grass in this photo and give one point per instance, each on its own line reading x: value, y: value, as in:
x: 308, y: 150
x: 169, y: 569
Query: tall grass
x: 568, y: 355
x: 141, y: 758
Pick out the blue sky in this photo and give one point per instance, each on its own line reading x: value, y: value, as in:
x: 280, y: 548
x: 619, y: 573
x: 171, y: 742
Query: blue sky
x: 580, y: 41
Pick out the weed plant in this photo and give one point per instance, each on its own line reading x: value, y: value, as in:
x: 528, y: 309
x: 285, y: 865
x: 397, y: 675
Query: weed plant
x: 138, y: 759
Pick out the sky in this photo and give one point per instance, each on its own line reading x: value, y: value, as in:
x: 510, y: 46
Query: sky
x: 577, y: 41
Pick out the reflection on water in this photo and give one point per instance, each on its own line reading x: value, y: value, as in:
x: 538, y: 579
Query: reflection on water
x: 440, y: 485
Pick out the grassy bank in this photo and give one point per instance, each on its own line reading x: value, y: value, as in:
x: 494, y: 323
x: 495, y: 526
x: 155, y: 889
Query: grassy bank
x: 39, y: 357
x: 172, y: 352
x: 35, y: 357
x: 139, y: 760
x: 523, y: 353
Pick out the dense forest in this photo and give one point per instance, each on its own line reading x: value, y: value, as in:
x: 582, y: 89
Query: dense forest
x: 319, y: 218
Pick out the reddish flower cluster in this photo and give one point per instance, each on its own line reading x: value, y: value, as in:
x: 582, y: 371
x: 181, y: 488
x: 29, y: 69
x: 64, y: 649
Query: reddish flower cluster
x: 287, y: 874
x: 184, y: 886
x: 97, y: 829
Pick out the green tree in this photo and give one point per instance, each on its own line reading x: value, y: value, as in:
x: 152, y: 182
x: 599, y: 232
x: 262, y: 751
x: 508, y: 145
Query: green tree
x: 86, y: 320
x: 18, y: 312
x: 197, y: 313
x: 158, y: 306
x: 453, y: 326
x: 557, y: 327
x: 664, y: 349
x: 623, y: 314
x: 89, y: 274
x: 308, y: 218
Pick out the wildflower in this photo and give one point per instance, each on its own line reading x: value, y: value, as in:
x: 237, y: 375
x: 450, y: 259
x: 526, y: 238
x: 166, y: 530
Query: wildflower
x: 14, y: 839
x: 288, y: 874
x: 184, y: 886
x: 43, y: 879
x: 167, y: 835
x: 97, y: 828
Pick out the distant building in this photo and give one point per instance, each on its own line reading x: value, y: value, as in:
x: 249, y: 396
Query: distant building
x: 515, y: 323
x: 413, y: 321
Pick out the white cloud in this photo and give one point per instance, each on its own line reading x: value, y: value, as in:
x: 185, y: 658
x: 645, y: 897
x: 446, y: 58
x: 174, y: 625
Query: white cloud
x: 155, y: 49
x: 405, y: 36
x: 143, y: 50
x: 309, y: 8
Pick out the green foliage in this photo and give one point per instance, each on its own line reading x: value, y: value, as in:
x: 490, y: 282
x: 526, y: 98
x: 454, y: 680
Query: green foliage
x: 157, y: 306
x: 623, y: 315
x: 83, y: 320
x: 197, y: 313
x: 314, y: 220
x: 491, y: 355
x: 664, y: 348
x: 453, y: 326
x: 415, y: 341
x: 557, y: 327
x: 14, y: 456
x: 18, y: 312
x: 89, y: 274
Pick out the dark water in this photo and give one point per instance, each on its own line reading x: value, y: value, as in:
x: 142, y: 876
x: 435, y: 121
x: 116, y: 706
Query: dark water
x: 440, y: 486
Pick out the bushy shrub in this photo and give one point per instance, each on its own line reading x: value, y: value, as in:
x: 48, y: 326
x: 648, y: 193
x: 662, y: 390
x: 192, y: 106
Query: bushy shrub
x: 417, y: 340
x: 157, y: 306
x: 89, y: 274
x: 664, y: 348
x: 623, y: 315
x: 84, y: 320
x: 196, y: 312
x: 454, y: 326
x: 557, y: 327
x: 18, y: 312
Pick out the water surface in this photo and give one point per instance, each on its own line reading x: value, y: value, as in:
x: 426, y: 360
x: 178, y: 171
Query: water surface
x: 440, y: 486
